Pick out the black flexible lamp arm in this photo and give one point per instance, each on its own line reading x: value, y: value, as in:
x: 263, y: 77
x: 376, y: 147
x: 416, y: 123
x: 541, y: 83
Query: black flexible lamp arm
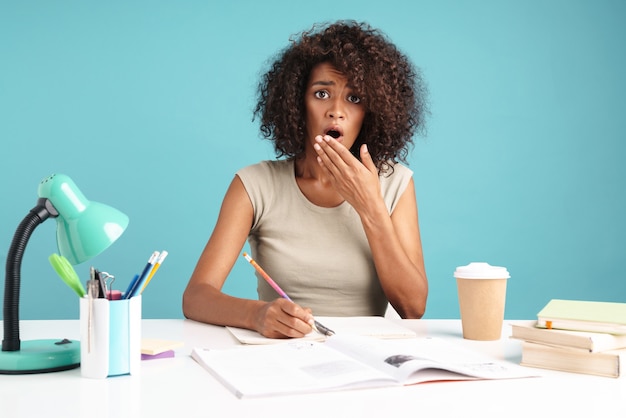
x: 37, y: 215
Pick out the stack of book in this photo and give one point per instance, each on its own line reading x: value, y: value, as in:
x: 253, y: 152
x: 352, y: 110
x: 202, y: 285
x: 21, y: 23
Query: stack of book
x: 576, y: 336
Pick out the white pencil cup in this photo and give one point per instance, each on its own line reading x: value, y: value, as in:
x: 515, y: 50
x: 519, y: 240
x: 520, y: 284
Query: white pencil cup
x: 110, y: 337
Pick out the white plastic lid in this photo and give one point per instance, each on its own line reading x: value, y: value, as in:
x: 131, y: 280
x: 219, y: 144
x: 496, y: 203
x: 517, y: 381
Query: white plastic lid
x: 481, y: 271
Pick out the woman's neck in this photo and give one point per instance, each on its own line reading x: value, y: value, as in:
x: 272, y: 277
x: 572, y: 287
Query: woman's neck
x: 314, y: 183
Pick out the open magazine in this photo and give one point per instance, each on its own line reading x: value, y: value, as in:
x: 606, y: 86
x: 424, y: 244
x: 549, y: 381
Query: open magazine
x: 346, y: 362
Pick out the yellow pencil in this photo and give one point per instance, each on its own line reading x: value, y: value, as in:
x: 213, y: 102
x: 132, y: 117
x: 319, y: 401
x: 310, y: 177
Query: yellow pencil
x: 154, y: 269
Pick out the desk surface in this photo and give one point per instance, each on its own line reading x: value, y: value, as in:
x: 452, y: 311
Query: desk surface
x: 179, y: 387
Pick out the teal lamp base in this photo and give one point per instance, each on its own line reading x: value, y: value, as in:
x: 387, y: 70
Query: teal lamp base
x: 41, y: 356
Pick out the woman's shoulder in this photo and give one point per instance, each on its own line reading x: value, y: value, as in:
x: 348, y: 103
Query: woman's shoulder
x: 265, y: 182
x: 396, y: 172
x: 267, y: 165
x: 393, y: 184
x: 267, y: 170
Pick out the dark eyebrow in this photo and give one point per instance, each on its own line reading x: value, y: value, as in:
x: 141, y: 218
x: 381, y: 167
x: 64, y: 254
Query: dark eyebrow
x: 327, y: 83
x: 322, y: 83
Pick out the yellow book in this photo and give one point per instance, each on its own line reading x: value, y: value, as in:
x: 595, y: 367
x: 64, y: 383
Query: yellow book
x: 578, y: 315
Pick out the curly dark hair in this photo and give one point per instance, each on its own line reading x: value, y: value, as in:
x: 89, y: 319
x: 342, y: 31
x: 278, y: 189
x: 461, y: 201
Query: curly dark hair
x: 390, y: 87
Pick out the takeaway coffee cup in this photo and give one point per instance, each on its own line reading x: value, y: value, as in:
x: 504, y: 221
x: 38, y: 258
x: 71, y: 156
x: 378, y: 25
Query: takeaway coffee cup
x: 482, y: 294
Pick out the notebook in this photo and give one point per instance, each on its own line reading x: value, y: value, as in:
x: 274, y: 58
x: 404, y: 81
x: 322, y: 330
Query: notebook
x: 371, y: 326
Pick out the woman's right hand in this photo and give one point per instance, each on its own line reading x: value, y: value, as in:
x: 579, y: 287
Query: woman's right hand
x: 282, y: 318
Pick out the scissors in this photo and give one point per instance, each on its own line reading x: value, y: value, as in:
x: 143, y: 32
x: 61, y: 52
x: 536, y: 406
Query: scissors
x: 67, y: 273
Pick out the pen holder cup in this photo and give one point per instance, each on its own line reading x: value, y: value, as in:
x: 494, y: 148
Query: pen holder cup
x: 110, y: 337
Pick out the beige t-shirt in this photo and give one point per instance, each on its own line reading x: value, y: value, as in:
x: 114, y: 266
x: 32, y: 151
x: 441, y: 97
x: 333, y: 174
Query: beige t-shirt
x: 319, y: 256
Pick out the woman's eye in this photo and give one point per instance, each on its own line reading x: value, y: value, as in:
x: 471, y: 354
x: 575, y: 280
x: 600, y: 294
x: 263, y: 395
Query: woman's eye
x: 354, y: 99
x: 321, y: 94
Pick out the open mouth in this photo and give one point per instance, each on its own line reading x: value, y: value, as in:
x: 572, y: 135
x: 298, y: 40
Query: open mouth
x: 335, y: 131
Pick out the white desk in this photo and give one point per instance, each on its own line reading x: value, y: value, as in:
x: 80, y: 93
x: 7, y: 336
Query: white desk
x: 178, y: 387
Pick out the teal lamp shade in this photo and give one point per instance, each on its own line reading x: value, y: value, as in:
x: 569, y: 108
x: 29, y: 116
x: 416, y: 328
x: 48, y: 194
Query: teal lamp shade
x: 84, y: 228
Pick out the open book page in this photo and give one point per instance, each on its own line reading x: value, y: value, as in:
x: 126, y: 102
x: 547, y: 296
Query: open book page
x: 374, y: 326
x: 419, y: 360
x: 345, y: 362
x: 293, y: 366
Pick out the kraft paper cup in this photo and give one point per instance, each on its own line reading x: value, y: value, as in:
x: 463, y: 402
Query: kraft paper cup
x: 482, y: 295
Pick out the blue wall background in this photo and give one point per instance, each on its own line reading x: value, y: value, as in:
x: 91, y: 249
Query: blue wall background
x: 147, y: 105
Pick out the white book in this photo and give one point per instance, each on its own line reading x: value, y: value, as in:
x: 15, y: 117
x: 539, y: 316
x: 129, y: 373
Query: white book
x: 372, y: 326
x: 608, y: 363
x: 583, y: 340
x: 346, y: 362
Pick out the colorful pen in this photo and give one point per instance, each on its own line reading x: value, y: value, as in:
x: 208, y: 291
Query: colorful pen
x: 132, y: 284
x: 315, y: 324
x: 154, y: 269
x: 138, y: 284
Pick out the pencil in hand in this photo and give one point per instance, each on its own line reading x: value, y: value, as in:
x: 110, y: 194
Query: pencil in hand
x: 314, y: 324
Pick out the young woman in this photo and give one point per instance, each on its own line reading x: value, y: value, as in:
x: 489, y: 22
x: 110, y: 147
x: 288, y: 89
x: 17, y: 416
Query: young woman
x: 334, y: 219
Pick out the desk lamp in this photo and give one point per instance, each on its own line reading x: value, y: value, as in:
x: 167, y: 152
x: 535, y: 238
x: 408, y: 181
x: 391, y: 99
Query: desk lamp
x: 84, y: 230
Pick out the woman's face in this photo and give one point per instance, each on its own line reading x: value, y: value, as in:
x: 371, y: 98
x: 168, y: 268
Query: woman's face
x: 332, y: 107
